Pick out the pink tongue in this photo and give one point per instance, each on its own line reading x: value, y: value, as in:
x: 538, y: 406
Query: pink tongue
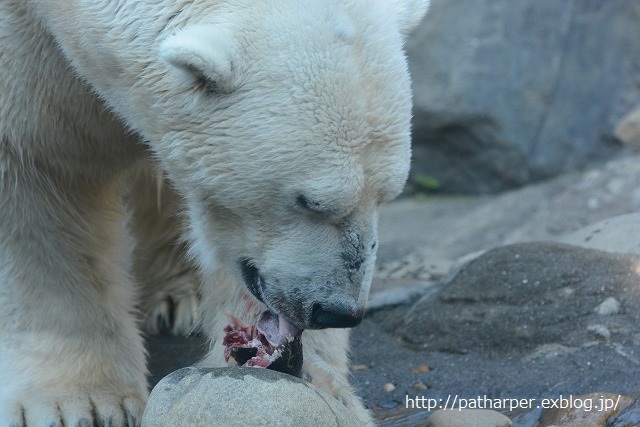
x: 276, y: 329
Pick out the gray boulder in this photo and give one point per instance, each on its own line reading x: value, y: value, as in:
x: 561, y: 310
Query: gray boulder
x: 530, y: 297
x: 511, y: 91
x: 243, y: 397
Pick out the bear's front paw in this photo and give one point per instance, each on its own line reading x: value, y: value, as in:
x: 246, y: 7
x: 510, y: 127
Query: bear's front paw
x: 174, y: 308
x: 74, y: 410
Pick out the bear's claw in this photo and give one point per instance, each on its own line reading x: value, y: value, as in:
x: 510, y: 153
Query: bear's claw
x: 75, y: 411
x: 175, y: 308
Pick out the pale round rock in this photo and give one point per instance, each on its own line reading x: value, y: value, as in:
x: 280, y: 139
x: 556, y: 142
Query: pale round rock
x: 243, y: 397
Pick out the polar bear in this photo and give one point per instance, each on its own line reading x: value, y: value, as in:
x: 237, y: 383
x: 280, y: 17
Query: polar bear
x: 283, y: 125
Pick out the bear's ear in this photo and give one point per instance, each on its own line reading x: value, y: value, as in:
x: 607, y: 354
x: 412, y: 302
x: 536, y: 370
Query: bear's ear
x: 410, y: 13
x: 204, y: 55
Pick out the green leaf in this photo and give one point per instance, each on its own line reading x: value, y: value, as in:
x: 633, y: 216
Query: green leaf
x: 425, y: 182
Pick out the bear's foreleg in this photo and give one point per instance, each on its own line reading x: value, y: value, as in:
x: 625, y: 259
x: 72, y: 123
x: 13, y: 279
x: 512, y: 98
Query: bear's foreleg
x: 326, y: 363
x: 70, y: 352
x: 169, y: 281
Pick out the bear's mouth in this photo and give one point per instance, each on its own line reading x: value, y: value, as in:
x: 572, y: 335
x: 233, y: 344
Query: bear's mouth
x: 262, y: 345
x: 272, y: 343
x: 280, y: 328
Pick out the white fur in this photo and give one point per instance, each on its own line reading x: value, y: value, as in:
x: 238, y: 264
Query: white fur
x: 410, y: 13
x: 245, y: 106
x: 203, y: 49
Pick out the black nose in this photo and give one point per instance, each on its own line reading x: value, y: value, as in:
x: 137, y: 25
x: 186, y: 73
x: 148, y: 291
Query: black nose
x: 335, y: 316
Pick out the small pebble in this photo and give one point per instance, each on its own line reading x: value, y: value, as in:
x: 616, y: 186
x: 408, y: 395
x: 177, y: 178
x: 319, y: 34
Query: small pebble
x: 388, y: 404
x: 468, y: 418
x: 388, y: 387
x: 420, y: 386
x: 600, y: 330
x: 358, y: 367
x: 422, y: 369
x: 608, y: 307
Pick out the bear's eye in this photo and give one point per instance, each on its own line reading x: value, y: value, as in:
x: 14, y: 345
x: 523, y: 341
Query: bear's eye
x: 308, y: 205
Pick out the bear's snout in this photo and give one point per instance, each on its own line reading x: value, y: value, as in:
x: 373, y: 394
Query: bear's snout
x: 335, y: 315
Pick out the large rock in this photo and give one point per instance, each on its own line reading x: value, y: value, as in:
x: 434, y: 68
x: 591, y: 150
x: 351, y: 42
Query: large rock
x: 529, y: 320
x: 533, y: 297
x: 242, y: 397
x: 629, y: 416
x: 509, y: 91
x: 591, y: 410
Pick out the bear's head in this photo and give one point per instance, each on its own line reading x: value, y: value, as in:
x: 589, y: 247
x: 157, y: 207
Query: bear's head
x: 290, y: 127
